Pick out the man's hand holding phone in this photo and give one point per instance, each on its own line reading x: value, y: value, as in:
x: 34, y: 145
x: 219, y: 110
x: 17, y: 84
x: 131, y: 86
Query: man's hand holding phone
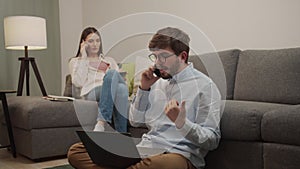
x: 148, y: 79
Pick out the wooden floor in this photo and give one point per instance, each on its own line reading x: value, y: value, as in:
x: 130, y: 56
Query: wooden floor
x: 8, y: 162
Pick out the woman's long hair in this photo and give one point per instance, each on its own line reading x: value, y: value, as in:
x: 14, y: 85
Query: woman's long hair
x: 84, y: 34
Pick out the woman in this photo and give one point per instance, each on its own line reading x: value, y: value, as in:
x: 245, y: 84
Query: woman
x: 99, y: 80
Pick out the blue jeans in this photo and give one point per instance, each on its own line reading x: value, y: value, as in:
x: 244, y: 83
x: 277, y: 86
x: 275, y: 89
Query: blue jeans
x: 112, y: 98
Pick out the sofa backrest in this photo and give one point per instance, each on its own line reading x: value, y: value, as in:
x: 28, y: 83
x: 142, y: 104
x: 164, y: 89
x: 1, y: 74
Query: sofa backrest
x: 269, y: 76
x: 229, y: 59
x: 256, y: 75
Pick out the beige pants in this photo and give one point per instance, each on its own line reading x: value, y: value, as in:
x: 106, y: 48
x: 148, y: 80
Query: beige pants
x: 79, y: 159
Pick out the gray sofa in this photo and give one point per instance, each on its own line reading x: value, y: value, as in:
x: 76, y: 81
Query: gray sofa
x: 45, y: 129
x: 260, y: 124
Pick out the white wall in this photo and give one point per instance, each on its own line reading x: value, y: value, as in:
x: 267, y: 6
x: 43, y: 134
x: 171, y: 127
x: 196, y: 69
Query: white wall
x: 255, y: 24
x: 70, y: 31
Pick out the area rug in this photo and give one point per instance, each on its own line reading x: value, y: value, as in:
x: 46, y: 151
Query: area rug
x: 67, y: 166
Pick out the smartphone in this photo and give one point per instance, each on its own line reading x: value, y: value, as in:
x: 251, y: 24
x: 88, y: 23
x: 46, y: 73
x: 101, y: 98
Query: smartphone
x: 157, y: 72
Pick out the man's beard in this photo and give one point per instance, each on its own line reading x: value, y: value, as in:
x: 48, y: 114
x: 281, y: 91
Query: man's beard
x: 173, y: 70
x: 166, y: 76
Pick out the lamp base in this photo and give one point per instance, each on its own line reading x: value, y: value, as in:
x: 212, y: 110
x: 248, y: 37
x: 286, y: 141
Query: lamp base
x: 24, y: 71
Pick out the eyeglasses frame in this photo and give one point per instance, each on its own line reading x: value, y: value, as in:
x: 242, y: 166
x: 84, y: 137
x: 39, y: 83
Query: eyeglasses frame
x: 153, y: 59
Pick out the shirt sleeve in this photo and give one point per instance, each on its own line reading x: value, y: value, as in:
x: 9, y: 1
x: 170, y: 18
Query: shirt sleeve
x: 205, y: 131
x: 78, y: 68
x: 138, y: 108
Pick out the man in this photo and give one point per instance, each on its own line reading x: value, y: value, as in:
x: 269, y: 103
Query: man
x: 180, y: 105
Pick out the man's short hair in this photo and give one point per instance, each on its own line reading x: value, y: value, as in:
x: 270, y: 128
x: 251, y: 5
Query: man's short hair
x: 174, y: 38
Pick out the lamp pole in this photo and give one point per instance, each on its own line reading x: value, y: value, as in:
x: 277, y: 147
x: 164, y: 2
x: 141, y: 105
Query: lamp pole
x: 24, y: 71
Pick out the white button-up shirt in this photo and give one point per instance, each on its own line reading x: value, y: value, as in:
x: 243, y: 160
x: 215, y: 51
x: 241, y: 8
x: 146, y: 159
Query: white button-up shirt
x: 200, y: 132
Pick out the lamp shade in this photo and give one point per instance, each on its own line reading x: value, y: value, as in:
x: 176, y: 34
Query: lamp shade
x: 20, y: 31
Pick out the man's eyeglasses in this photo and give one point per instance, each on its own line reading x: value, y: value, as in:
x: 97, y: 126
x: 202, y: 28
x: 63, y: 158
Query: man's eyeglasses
x: 162, y: 57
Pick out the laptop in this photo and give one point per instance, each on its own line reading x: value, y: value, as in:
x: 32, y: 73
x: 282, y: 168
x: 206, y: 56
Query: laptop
x: 114, y: 149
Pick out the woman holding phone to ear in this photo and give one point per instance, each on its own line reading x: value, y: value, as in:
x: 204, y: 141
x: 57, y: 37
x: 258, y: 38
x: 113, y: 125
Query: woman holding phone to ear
x: 99, y: 80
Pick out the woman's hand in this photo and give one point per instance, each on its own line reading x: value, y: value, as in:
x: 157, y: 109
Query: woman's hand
x: 103, y: 66
x: 83, y: 47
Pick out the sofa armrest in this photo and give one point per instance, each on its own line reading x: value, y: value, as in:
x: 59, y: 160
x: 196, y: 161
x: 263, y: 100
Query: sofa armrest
x: 282, y: 125
x: 70, y: 89
x: 68, y: 86
x: 241, y: 120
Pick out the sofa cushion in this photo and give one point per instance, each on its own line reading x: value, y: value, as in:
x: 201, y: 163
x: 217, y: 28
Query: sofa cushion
x: 229, y: 59
x: 282, y: 126
x: 241, y: 120
x: 33, y: 112
x: 40, y: 144
x: 279, y: 156
x: 236, y: 155
x: 269, y: 76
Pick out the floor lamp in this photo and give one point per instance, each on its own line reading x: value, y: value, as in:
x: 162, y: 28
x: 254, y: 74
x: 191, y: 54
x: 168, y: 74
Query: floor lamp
x: 26, y: 33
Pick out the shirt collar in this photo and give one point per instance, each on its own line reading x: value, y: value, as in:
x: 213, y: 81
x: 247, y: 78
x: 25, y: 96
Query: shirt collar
x: 185, y: 74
